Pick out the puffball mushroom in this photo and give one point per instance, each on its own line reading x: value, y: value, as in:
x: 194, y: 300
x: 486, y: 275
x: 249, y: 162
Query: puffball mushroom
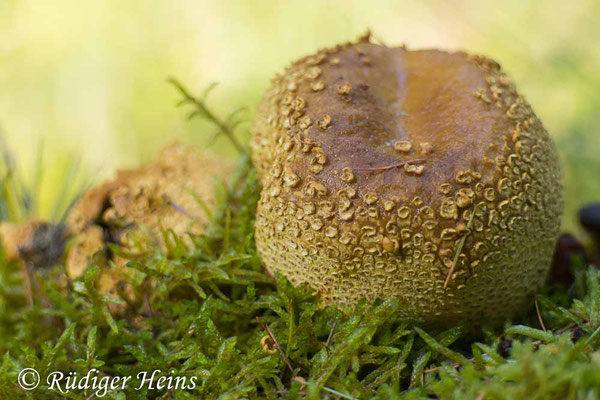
x: 417, y: 175
x: 139, y: 205
x: 132, y: 210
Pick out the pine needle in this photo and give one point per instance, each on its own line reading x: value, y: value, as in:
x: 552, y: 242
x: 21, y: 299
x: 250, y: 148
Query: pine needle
x: 459, y: 248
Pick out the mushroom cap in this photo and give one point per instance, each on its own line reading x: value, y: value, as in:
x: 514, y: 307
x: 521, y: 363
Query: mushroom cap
x: 418, y: 175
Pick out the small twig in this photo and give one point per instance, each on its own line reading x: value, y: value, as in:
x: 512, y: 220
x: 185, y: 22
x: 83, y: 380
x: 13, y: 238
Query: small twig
x: 285, y: 391
x: 147, y: 305
x: 436, y: 369
x: 461, y: 244
x: 537, y: 310
x: 180, y: 209
x: 309, y: 143
x: 204, y: 111
x: 567, y: 328
x: 401, y: 164
x: 25, y: 269
x: 167, y: 394
x: 297, y: 136
x: 146, y: 298
x: 330, y: 335
x: 274, y: 339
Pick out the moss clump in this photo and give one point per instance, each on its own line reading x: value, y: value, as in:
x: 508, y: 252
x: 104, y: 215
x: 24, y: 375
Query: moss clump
x: 201, y: 317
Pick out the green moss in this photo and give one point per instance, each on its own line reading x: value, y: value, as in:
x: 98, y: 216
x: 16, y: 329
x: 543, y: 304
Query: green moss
x: 203, y: 315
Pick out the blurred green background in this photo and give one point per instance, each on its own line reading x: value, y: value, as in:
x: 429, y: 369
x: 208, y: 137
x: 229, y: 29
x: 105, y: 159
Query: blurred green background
x: 87, y: 79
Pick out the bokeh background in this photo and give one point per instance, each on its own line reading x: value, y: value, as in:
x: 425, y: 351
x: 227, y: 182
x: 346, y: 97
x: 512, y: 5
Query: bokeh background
x: 85, y: 81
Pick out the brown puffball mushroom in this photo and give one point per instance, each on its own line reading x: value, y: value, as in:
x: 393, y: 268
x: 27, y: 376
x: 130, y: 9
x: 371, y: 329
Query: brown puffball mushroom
x: 417, y: 175
x: 131, y: 209
x: 139, y: 204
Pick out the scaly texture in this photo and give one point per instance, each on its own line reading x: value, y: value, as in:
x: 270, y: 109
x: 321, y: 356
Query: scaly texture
x: 417, y: 175
x: 140, y: 204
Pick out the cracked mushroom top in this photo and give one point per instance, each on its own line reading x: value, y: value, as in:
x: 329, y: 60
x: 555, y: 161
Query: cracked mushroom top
x: 367, y: 152
x: 404, y: 121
